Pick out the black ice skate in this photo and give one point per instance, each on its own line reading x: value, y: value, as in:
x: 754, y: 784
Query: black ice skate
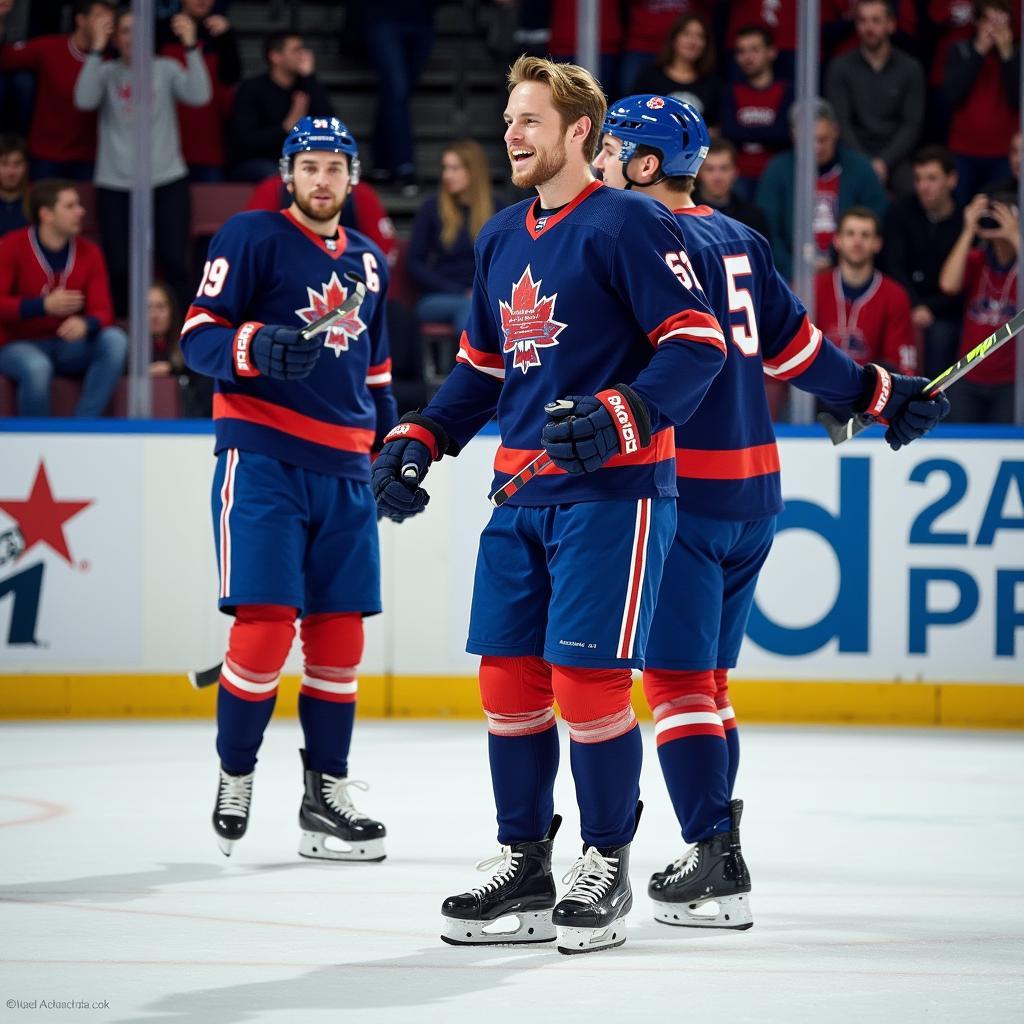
x: 231, y: 811
x: 332, y: 828
x: 514, y: 906
x: 709, y: 886
x: 592, y: 914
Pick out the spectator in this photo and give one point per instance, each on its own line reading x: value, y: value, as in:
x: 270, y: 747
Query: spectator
x: 202, y: 129
x: 13, y: 182
x: 164, y: 328
x: 981, y: 82
x: 919, y: 233
x: 685, y: 69
x: 55, y: 309
x: 715, y: 182
x: 363, y: 211
x: 861, y: 310
x: 267, y: 105
x: 986, y: 275
x: 839, y: 31
x: 845, y: 179
x: 62, y: 136
x: 878, y: 94
x: 17, y: 88
x: 562, y: 45
x: 107, y: 87
x: 440, y: 259
x: 755, y: 111
x: 648, y: 22
x: 779, y: 17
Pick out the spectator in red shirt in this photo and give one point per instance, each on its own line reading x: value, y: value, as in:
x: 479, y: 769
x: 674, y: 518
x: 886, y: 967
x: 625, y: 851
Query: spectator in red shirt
x: 202, y: 129
x: 755, y: 111
x: 986, y: 275
x: 859, y: 309
x: 982, y: 83
x: 62, y: 138
x: 13, y: 182
x: 56, y: 314
x: 779, y: 17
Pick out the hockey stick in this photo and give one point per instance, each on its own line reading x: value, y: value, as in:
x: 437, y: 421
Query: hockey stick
x: 201, y: 678
x: 523, y: 477
x: 839, y: 432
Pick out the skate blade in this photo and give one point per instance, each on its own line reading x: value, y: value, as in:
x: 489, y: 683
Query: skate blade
x: 320, y: 846
x: 589, y: 940
x: 724, y: 912
x: 510, y: 930
x: 226, y: 845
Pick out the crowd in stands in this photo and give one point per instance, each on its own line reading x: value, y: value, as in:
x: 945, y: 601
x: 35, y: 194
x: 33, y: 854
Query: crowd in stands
x: 916, y: 143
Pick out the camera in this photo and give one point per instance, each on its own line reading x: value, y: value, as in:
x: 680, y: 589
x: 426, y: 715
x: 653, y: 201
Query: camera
x: 987, y: 222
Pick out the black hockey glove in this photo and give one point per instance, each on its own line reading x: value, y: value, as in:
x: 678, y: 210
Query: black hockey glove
x: 897, y: 400
x: 279, y: 352
x: 409, y: 448
x: 586, y: 431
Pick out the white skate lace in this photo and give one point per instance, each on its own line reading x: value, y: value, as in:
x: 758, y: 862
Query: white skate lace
x: 507, y: 863
x: 590, y: 877
x: 235, y: 794
x: 687, y: 863
x: 335, y: 792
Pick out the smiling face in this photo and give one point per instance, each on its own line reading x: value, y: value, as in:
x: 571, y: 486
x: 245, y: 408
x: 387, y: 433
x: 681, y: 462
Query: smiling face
x: 535, y: 138
x: 320, y: 184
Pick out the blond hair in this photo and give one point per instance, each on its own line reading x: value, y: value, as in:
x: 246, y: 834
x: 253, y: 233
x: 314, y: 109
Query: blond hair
x: 477, y: 196
x: 575, y: 93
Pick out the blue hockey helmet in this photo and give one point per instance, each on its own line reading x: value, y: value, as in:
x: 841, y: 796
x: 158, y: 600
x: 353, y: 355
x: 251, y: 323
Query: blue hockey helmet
x: 319, y: 134
x: 674, y: 128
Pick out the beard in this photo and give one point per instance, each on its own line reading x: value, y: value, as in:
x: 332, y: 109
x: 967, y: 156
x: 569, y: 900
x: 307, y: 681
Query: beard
x: 546, y: 164
x: 324, y: 214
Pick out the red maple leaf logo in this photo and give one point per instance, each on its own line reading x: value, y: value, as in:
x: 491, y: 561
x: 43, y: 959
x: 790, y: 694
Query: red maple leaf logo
x: 529, y: 324
x: 321, y: 303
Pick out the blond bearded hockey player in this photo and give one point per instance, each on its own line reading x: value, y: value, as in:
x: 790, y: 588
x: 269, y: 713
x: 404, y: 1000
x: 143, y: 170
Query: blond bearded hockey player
x: 587, y: 341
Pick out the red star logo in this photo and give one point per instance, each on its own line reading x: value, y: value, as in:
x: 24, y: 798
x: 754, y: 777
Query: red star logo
x: 529, y: 324
x: 321, y: 303
x: 41, y: 517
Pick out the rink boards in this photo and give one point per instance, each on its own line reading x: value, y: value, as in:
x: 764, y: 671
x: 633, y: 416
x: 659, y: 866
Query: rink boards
x: 894, y: 593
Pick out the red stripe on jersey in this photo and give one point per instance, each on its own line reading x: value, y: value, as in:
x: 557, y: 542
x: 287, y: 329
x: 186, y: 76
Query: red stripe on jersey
x: 690, y: 325
x: 340, y: 243
x: 197, y: 317
x: 727, y: 464
x: 798, y: 355
x: 379, y: 375
x: 266, y: 414
x: 478, y: 359
x: 512, y: 460
x: 685, y: 731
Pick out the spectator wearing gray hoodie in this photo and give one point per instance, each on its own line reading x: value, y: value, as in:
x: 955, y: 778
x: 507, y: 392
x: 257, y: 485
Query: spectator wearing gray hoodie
x: 106, y: 87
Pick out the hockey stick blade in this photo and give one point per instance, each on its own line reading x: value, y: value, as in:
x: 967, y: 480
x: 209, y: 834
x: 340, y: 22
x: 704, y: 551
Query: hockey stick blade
x: 206, y: 677
x: 353, y: 301
x: 839, y: 432
x: 523, y: 477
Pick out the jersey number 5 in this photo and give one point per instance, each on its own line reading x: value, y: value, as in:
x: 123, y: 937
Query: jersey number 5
x: 744, y: 336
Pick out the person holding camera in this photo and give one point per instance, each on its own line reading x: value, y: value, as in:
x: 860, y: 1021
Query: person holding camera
x: 982, y: 266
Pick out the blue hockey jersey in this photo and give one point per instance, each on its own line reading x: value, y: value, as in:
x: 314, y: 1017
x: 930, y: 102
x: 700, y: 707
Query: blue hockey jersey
x: 267, y: 268
x: 593, y: 295
x: 727, y: 460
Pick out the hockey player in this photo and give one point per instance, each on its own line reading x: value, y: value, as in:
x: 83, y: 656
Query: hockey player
x: 294, y: 518
x: 588, y: 337
x: 729, y: 496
